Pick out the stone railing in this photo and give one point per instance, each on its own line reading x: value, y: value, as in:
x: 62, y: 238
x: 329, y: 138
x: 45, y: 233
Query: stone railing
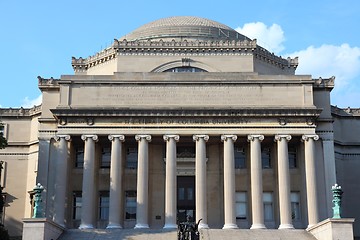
x: 9, y: 112
x: 222, y: 47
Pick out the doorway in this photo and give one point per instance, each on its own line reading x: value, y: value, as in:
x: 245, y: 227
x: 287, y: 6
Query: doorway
x: 185, y: 198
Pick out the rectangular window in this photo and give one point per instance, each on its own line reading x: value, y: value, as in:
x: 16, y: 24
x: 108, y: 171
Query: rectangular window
x: 181, y: 193
x: 240, y: 158
x: 131, y: 157
x: 295, y: 205
x: 268, y: 206
x: 105, y: 157
x: 104, y: 206
x: 77, y: 202
x: 79, y: 158
x: 241, y: 205
x: 265, y: 158
x: 130, y: 205
x: 292, y: 157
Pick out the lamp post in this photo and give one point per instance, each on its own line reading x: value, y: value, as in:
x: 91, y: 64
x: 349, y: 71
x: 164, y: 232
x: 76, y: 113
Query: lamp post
x: 38, y: 212
x: 337, y: 195
x: 2, y: 197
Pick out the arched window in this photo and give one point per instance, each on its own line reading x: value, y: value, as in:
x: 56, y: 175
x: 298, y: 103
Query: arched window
x: 185, y: 69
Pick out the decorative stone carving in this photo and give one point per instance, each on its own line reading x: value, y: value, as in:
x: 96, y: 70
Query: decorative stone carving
x: 94, y: 137
x: 252, y: 137
x: 306, y: 137
x: 197, y: 137
x: 227, y: 137
x: 146, y: 137
x: 167, y: 137
x: 279, y: 137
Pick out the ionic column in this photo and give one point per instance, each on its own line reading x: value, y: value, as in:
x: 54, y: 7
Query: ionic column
x: 61, y: 178
x: 284, y: 181
x: 170, y: 181
x: 256, y: 182
x: 229, y: 181
x: 88, y: 190
x: 200, y: 180
x: 116, y: 172
x: 310, y: 172
x: 142, y: 181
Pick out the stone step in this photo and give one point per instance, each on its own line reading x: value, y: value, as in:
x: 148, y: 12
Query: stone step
x: 205, y: 234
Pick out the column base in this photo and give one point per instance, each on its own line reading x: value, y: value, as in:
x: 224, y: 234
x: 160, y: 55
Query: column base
x: 286, y: 226
x: 203, y: 226
x: 86, y: 226
x: 258, y: 226
x: 141, y: 225
x: 170, y: 226
x: 113, y: 226
x: 230, y: 226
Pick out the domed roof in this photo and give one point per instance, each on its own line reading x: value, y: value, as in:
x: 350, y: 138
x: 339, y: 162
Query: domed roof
x: 184, y: 28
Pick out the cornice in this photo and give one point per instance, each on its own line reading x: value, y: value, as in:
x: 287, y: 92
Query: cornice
x: 20, y: 112
x: 345, y: 112
x: 182, y: 48
x: 245, y: 112
x: 48, y: 83
x: 324, y: 83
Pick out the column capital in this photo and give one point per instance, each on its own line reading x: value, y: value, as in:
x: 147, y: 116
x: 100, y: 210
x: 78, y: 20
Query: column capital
x: 66, y: 137
x: 230, y: 136
x: 308, y: 136
x: 167, y: 137
x: 278, y: 137
x: 252, y: 137
x: 197, y: 137
x: 146, y: 137
x: 94, y: 137
x: 112, y: 137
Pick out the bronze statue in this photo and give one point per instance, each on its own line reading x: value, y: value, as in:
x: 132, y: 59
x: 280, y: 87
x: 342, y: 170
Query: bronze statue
x: 188, y: 230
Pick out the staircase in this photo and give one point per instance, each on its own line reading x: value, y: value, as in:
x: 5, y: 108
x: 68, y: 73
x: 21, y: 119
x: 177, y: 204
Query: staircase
x: 205, y: 234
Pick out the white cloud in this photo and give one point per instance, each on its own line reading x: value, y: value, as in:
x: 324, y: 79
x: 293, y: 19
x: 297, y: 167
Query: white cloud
x: 270, y: 37
x: 342, y: 61
x: 28, y: 103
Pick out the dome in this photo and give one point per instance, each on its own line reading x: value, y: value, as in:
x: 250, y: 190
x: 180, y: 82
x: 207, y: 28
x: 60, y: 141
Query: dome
x: 192, y: 28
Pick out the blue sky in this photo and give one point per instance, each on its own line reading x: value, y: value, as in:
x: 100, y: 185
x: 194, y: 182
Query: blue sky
x: 40, y: 37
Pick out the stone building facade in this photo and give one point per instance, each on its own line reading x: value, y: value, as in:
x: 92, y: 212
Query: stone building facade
x: 183, y: 116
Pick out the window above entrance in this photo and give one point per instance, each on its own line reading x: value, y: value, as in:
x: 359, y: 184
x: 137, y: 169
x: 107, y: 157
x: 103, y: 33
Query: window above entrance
x: 185, y: 69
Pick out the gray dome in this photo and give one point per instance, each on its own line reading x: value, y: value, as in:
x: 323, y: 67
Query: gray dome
x: 194, y: 28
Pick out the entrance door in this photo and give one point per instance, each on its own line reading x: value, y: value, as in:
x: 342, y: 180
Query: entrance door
x: 185, y: 198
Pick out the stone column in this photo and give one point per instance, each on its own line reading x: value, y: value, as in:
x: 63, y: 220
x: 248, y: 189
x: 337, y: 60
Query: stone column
x: 229, y: 181
x: 61, y: 178
x: 200, y: 180
x: 88, y: 191
x: 116, y: 173
x: 170, y: 181
x: 142, y: 181
x: 310, y: 172
x: 256, y: 182
x: 329, y: 166
x: 284, y: 181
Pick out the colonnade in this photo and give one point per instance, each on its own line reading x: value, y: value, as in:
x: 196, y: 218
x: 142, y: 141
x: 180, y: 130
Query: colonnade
x: 115, y: 193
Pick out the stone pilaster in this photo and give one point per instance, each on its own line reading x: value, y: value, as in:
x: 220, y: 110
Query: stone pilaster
x: 88, y: 190
x: 170, y: 181
x: 256, y: 182
x: 310, y: 172
x: 229, y: 181
x: 142, y: 181
x: 116, y: 174
x: 200, y: 180
x: 284, y: 181
x: 61, y: 178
